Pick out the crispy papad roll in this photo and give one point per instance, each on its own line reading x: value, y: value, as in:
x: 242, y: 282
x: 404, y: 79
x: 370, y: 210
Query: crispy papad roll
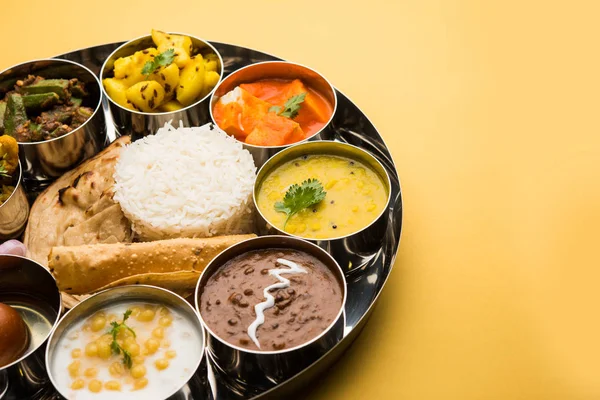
x: 174, y: 264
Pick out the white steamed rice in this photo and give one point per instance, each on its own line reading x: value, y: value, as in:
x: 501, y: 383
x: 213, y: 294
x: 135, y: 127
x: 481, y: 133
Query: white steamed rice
x: 186, y: 182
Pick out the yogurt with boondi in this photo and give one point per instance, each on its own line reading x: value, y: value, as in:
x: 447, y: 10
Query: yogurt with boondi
x: 124, y: 350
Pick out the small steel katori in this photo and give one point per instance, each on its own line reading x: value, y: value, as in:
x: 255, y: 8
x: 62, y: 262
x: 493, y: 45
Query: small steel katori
x: 249, y: 372
x: 14, y: 212
x: 31, y: 290
x: 283, y: 70
x: 138, y: 123
x: 353, y: 251
x: 42, y: 162
x: 126, y: 294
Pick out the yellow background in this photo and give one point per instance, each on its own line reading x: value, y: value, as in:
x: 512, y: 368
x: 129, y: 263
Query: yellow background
x: 491, y: 110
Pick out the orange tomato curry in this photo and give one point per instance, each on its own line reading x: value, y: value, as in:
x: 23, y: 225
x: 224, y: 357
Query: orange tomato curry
x: 244, y: 112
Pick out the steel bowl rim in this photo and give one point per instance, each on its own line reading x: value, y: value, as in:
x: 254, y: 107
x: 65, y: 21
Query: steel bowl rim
x: 319, y: 143
x: 325, y: 126
x: 156, y: 288
x: 207, y: 96
x: 18, y: 184
x: 58, y: 315
x: 300, y: 346
x: 62, y: 60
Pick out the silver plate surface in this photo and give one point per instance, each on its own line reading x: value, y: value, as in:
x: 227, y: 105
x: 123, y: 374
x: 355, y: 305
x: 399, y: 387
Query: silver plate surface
x: 349, y: 125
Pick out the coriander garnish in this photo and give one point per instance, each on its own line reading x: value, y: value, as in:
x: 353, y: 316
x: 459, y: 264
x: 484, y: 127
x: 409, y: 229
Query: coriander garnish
x: 161, y: 60
x: 299, y: 197
x: 114, y: 345
x: 291, y: 106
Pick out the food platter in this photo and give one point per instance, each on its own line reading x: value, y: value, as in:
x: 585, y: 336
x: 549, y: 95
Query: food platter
x: 366, y: 272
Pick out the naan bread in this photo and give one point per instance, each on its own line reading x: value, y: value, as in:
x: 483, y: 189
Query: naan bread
x: 78, y: 208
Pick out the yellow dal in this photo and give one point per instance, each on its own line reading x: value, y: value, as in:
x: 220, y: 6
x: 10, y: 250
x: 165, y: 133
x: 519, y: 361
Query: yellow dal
x: 356, y: 195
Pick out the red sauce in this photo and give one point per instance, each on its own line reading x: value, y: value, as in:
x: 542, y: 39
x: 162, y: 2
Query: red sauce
x: 251, y: 121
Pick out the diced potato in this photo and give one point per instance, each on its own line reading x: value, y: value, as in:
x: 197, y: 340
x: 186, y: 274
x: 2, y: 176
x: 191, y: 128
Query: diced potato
x: 191, y: 81
x: 158, y: 37
x: 140, y: 57
x: 130, y: 68
x: 182, y: 59
x: 122, y: 66
x: 146, y: 96
x: 168, y: 77
x: 181, y: 44
x: 116, y: 88
x: 211, y: 78
x: 211, y: 61
x: 170, y: 106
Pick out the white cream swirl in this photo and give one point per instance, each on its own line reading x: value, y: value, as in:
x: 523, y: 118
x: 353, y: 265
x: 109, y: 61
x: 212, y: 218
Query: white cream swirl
x: 270, y: 300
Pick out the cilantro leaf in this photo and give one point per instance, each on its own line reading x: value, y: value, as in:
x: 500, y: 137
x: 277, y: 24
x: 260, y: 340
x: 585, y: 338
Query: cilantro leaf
x: 291, y: 106
x: 130, y: 330
x: 127, y: 358
x: 114, y: 345
x: 148, y: 68
x: 275, y: 109
x: 299, y: 197
x: 160, y: 60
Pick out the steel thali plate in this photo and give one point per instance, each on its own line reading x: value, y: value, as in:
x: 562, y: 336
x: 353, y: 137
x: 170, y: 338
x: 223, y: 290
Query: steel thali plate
x: 349, y: 125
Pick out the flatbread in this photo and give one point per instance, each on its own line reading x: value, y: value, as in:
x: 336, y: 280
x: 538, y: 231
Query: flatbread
x: 174, y: 264
x: 78, y: 208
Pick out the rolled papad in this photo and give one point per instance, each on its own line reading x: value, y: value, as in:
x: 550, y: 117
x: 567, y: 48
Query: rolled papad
x: 174, y: 264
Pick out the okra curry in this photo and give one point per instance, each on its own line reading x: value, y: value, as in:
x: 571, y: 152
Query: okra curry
x: 41, y: 109
x: 272, y: 112
x: 322, y: 196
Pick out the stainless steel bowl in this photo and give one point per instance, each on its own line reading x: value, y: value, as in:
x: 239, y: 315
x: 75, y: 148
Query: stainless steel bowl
x: 45, y: 161
x: 352, y: 251
x: 275, y: 70
x: 32, y: 291
x: 138, y: 123
x: 14, y: 211
x: 248, y: 372
x: 123, y: 294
